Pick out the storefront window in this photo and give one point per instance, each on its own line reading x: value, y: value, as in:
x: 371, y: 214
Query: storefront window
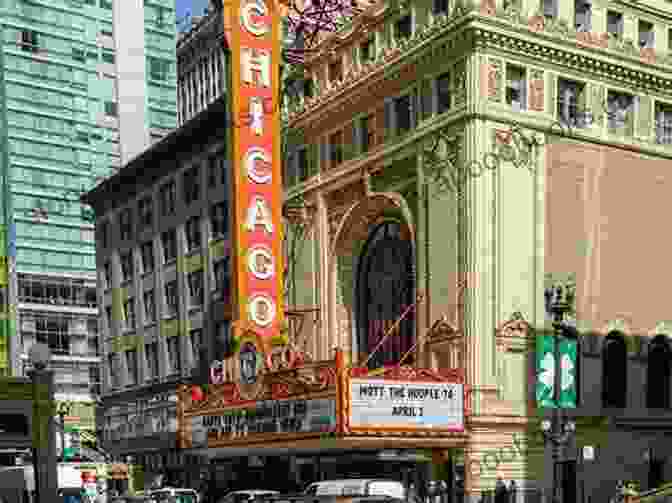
x: 385, y: 291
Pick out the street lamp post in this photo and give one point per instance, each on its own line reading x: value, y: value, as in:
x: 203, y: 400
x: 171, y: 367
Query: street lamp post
x: 558, y: 430
x: 44, y: 445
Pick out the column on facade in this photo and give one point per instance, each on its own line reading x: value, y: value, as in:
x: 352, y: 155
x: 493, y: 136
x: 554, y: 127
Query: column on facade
x: 327, y: 307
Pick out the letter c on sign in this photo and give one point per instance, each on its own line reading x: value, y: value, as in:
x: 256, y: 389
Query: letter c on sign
x: 249, y: 14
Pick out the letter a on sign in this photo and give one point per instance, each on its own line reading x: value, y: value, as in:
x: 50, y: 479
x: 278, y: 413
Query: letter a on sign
x: 259, y: 214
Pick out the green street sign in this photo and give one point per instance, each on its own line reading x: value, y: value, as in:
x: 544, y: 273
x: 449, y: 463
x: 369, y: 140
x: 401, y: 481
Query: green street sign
x: 568, y: 381
x: 545, y: 371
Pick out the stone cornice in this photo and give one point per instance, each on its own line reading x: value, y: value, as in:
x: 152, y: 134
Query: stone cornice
x: 503, y: 33
x: 591, y: 61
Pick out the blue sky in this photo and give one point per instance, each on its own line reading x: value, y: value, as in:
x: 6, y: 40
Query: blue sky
x: 193, y: 6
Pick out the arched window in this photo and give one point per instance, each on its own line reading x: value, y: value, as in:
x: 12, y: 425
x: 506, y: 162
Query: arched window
x: 658, y: 374
x: 385, y: 289
x: 614, y: 371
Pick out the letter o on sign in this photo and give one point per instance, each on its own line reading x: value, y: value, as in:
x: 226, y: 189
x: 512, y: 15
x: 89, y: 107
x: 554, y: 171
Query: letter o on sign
x: 249, y: 16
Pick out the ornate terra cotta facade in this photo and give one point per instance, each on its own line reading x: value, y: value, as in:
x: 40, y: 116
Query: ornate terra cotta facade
x: 420, y: 224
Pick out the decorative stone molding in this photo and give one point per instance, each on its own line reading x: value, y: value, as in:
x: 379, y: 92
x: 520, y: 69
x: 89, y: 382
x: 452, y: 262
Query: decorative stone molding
x: 514, y: 334
x: 488, y: 7
x: 309, y: 378
x: 495, y: 76
x: 593, y: 39
x: 537, y: 90
x: 559, y: 287
x: 460, y: 83
x: 620, y: 324
x: 662, y: 328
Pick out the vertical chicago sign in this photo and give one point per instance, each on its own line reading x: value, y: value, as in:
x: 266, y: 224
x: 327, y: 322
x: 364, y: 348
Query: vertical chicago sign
x: 253, y: 32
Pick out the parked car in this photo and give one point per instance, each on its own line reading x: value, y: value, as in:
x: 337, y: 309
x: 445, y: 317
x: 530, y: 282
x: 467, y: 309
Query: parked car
x: 245, y: 496
x: 358, y: 487
x: 173, y: 495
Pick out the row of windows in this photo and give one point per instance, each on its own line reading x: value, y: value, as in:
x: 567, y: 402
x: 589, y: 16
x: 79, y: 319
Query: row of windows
x: 169, y: 247
x: 615, y: 373
x: 169, y: 305
x: 192, y: 188
x: 403, y: 28
x: 73, y: 292
x: 403, y: 113
x: 154, y: 352
x: 203, y: 84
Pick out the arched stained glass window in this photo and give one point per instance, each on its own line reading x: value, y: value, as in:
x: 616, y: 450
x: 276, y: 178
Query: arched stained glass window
x: 385, y: 290
x: 658, y: 374
x: 614, y: 371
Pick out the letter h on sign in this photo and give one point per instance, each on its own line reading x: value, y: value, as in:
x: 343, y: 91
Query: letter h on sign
x: 256, y: 67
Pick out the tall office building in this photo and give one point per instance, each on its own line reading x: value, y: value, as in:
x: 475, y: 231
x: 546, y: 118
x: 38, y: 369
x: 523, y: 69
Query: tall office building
x: 86, y: 86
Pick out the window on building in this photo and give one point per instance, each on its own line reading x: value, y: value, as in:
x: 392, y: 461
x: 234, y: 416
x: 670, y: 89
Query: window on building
x: 125, y: 224
x: 195, y: 281
x: 29, y: 41
x: 303, y: 164
x: 219, y: 220
x: 132, y: 366
x: 111, y: 109
x: 193, y: 231
x: 174, y: 357
x: 196, y: 339
x: 129, y: 313
x: 516, y: 87
x: 570, y: 103
x: 366, y: 51
x: 403, y: 114
x: 213, y: 171
x: 550, y: 8
x: 615, y: 24
x: 171, y: 298
x: 443, y: 92
x: 145, y: 212
x: 658, y: 374
x: 656, y: 475
x: 149, y: 306
x: 152, y: 358
x: 620, y: 111
x: 104, y: 233
x: 147, y: 256
x: 440, y: 7
x: 663, y: 123
x: 105, y: 4
x: 582, y: 15
x: 79, y: 55
x: 336, y: 148
x: 308, y: 88
x: 336, y: 70
x: 222, y: 273
x: 158, y: 69
x: 169, y: 242
x: 108, y: 56
x: 366, y: 132
x: 108, y: 316
x: 403, y: 28
x: 52, y: 330
x: 167, y: 195
x: 191, y: 185
x: 223, y: 344
x: 94, y: 380
x: 614, y: 371
x: 126, y: 260
x: 384, y: 291
x: 646, y: 35
x: 106, y: 33
x: 113, y: 365
x: 107, y: 273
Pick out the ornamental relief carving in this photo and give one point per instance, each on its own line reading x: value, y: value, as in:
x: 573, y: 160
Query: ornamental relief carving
x: 495, y: 75
x: 514, y: 334
x: 537, y: 90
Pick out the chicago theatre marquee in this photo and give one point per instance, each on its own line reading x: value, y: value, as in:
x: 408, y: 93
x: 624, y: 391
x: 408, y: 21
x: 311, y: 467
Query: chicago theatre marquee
x: 311, y: 414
